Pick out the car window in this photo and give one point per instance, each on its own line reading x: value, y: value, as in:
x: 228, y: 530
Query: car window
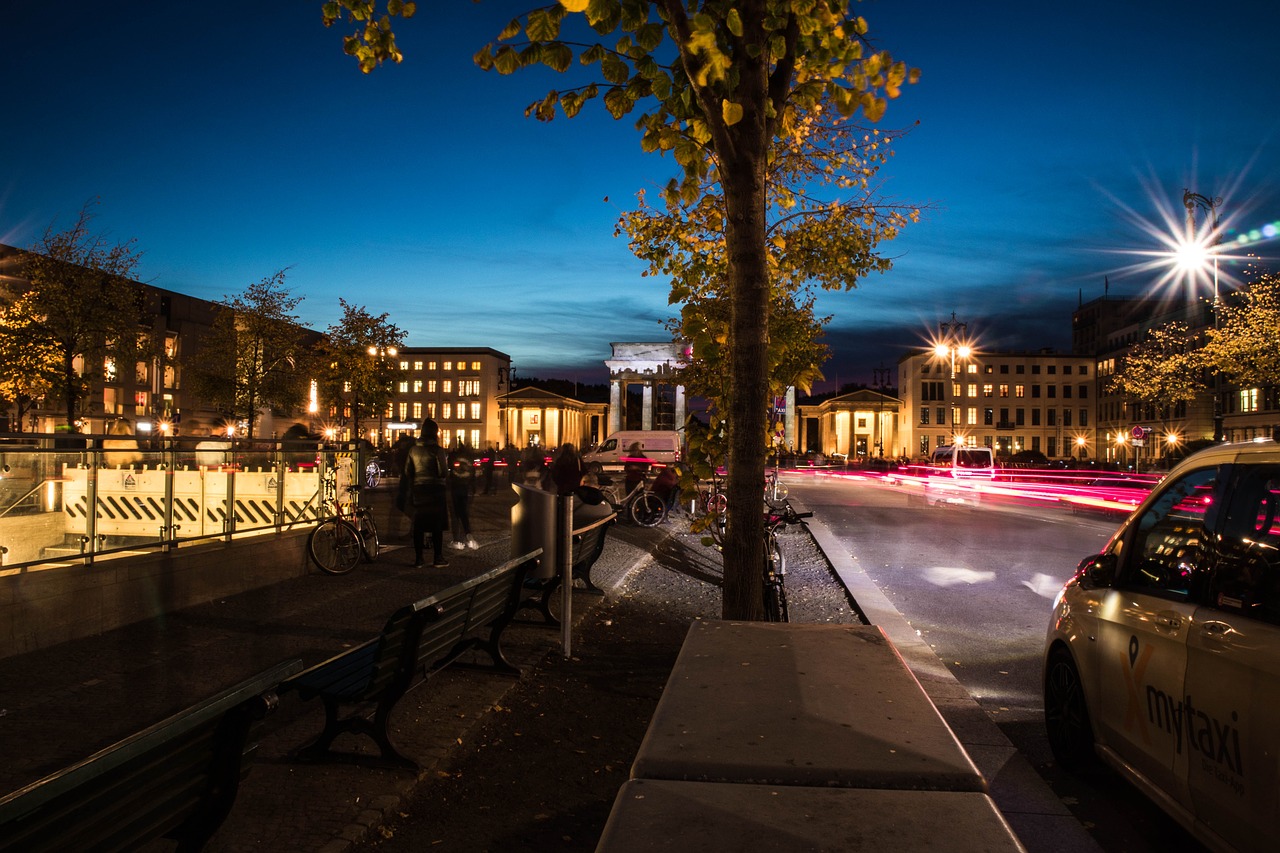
x: 1170, y: 547
x: 1247, y: 577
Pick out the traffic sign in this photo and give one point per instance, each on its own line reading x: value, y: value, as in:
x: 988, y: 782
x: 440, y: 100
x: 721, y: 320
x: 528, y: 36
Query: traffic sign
x: 1140, y: 432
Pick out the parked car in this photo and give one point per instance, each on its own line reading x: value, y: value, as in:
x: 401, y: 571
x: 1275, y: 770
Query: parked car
x: 1162, y: 656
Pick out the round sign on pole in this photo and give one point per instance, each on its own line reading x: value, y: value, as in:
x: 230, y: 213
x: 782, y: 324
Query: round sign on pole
x: 1139, y: 432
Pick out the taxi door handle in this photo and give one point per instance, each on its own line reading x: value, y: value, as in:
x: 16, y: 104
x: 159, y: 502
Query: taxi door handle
x: 1216, y: 629
x: 1168, y: 621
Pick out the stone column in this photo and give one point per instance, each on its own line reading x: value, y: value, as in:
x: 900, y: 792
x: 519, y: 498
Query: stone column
x: 616, y: 391
x: 646, y: 406
x: 679, y: 407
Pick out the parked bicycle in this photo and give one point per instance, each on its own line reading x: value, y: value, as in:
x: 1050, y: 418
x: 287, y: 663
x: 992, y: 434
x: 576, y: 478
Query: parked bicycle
x: 775, y: 562
x: 337, y: 543
x: 373, y: 473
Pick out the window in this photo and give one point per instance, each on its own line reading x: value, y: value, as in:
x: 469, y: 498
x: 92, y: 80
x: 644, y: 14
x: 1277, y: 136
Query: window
x: 1169, y: 547
x: 1019, y: 390
x: 1004, y: 368
x: 1004, y: 390
x: 417, y: 411
x: 988, y: 369
x: 1053, y: 369
x: 1053, y: 391
x: 955, y: 389
x: 1066, y: 370
x: 924, y: 415
x: 1020, y: 369
x: 1019, y: 417
x: 448, y: 365
x: 404, y: 387
x: 1246, y: 579
x: 404, y: 365
x: 475, y: 411
x: 988, y: 389
x: 1249, y: 400
x: 447, y: 386
x: 1066, y: 392
x: 417, y: 386
x: 988, y: 417
x: 1051, y: 446
x: 1035, y: 417
x: 475, y: 365
x: 417, y: 365
x: 446, y: 411
x: 1066, y: 417
x: 1004, y: 416
x: 1050, y: 417
x: 475, y: 438
x: 973, y: 368
x: 404, y: 411
x: 431, y: 365
x: 942, y: 416
x: 924, y: 445
x: 972, y: 416
x: 1084, y: 370
x: 431, y: 410
x: 973, y: 389
x: 431, y: 386
x: 1084, y: 417
x: 931, y: 391
x: 1035, y: 392
x: 1084, y: 392
x: 1035, y: 369
x: 109, y: 369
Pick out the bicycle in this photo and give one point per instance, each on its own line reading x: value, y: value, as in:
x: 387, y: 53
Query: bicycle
x: 372, y: 474
x: 337, y: 543
x: 775, y: 562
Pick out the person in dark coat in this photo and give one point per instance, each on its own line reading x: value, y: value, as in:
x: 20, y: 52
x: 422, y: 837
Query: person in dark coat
x: 423, y: 493
x: 461, y: 482
x: 567, y: 470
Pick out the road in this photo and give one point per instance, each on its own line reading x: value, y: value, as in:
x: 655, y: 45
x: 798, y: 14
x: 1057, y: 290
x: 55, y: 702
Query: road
x: 977, y: 584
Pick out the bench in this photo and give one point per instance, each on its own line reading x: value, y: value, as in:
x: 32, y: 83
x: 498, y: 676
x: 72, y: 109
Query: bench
x: 588, y: 545
x: 176, y: 779
x: 425, y: 637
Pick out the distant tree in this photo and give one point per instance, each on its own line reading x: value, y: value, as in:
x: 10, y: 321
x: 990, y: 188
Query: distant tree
x: 1162, y: 370
x: 726, y: 85
x: 30, y: 361
x: 354, y: 374
x: 1245, y: 345
x: 255, y: 356
x: 84, y: 304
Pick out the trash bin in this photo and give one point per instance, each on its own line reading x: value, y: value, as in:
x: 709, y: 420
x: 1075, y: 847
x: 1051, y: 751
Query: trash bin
x: 533, y: 525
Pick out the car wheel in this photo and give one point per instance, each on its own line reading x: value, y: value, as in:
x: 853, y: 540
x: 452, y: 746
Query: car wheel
x: 1066, y: 716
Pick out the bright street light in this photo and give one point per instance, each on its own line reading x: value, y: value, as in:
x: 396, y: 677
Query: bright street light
x: 1194, y: 256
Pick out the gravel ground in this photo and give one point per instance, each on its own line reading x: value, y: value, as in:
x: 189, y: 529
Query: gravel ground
x: 542, y: 770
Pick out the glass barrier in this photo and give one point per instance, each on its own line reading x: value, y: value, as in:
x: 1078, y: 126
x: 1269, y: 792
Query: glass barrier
x: 66, y: 501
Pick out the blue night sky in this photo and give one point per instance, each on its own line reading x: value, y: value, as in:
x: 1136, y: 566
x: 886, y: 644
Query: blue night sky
x: 232, y: 146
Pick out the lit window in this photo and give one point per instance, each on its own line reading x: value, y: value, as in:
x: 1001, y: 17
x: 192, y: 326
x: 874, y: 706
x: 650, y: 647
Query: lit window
x: 1004, y: 390
x: 431, y: 365
x: 404, y: 387
x: 1019, y: 390
x: 417, y: 365
x: 973, y: 368
x: 447, y: 386
x: 475, y: 411
x: 404, y: 365
x: 973, y: 389
x: 404, y: 411
x: 1249, y: 400
x: 417, y: 411
x: 475, y: 365
x: 446, y: 411
x: 417, y: 386
x: 448, y: 365
x: 972, y: 419
x: 431, y: 410
x: 988, y: 389
x: 431, y: 386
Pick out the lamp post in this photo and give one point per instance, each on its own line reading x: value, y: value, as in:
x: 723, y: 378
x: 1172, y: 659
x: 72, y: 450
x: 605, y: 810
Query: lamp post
x: 1191, y: 201
x: 950, y: 347
x: 881, y: 379
x: 380, y: 353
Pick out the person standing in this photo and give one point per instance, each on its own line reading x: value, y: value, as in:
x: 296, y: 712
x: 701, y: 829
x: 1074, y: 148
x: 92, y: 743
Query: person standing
x: 461, y: 480
x: 566, y: 470
x: 423, y: 493
x: 486, y: 468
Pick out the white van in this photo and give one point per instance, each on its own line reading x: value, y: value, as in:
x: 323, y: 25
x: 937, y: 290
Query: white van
x: 963, y: 463
x: 660, y: 445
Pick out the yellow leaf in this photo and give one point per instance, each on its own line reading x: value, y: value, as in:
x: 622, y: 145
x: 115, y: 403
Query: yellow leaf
x: 732, y: 112
x: 575, y: 5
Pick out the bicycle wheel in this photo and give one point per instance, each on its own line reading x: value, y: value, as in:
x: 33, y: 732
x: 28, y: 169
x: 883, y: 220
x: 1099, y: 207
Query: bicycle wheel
x: 647, y: 509
x: 372, y: 475
x: 368, y: 535
x: 775, y: 592
x: 717, y: 503
x: 334, y: 546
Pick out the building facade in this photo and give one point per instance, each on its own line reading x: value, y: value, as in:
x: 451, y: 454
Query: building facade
x: 457, y: 387
x: 858, y: 425
x: 533, y: 416
x: 1011, y: 402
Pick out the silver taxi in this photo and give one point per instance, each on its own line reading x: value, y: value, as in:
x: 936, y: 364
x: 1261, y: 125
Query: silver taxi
x: 1163, y: 653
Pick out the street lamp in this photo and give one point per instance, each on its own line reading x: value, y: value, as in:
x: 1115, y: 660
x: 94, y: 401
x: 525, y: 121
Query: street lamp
x: 881, y: 379
x: 950, y: 347
x: 380, y: 353
x: 1194, y: 255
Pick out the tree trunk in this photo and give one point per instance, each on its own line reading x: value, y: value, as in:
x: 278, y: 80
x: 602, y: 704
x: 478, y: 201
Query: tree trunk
x: 743, y: 180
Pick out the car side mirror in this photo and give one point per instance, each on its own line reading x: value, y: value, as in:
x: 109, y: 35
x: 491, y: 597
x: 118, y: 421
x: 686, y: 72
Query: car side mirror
x: 1097, y: 571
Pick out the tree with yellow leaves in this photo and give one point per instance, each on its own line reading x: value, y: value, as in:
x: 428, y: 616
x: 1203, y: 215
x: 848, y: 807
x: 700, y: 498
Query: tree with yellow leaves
x: 727, y: 88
